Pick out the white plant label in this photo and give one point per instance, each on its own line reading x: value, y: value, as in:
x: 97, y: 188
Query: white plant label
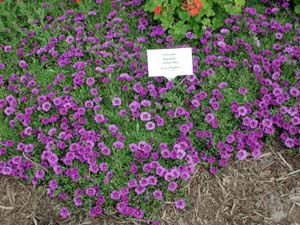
x: 170, y: 62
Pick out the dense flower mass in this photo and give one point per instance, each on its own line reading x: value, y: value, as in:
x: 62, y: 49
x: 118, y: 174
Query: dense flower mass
x: 80, y: 113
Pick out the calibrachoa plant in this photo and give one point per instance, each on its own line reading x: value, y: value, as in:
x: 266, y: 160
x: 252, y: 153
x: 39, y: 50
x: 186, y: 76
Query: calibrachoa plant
x: 79, y: 113
x: 181, y: 16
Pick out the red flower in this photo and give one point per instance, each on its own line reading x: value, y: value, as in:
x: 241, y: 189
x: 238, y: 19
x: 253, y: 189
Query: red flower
x: 157, y: 10
x: 194, y: 6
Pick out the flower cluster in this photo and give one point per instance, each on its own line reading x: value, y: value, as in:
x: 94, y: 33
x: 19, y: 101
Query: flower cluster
x: 81, y: 114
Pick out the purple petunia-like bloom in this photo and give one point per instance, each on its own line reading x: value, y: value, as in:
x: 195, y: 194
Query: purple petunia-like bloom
x: 145, y: 116
x: 157, y: 194
x: 180, y: 204
x: 118, y: 145
x: 23, y: 64
x: 115, y: 195
x: 70, y: 39
x: 172, y: 186
x: 64, y: 212
x: 39, y: 174
x: 46, y: 106
x: 100, y: 118
x: 150, y: 125
x: 90, y: 191
x: 116, y: 101
x: 242, y: 154
x: 242, y: 90
x: 7, y: 48
x: 242, y: 111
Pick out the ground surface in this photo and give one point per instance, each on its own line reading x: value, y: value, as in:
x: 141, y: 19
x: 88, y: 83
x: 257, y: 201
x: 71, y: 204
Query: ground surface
x: 252, y: 192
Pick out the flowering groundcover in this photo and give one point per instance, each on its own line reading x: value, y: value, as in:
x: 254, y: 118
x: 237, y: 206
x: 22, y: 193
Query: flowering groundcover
x: 80, y: 114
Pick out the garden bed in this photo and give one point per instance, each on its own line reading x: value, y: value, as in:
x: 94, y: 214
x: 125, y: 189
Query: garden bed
x: 84, y: 124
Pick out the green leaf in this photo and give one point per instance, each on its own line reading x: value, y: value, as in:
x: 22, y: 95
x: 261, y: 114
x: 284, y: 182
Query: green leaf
x: 206, y: 22
x: 167, y: 20
x: 184, y: 15
x: 207, y: 10
x: 217, y: 22
x: 198, y: 31
x: 239, y: 3
x: 233, y: 10
x: 180, y: 27
x: 297, y: 9
x: 175, y: 3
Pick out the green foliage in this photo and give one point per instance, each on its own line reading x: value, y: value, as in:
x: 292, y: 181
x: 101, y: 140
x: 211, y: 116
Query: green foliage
x: 180, y: 16
x: 297, y: 9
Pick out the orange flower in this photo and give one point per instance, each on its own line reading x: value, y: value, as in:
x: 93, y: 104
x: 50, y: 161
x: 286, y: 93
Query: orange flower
x: 194, y: 7
x: 193, y: 11
x: 77, y: 1
x: 157, y: 10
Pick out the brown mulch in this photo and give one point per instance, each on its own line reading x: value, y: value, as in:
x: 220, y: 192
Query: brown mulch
x: 265, y: 191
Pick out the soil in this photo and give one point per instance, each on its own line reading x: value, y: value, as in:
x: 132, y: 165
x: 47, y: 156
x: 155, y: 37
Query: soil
x: 265, y: 191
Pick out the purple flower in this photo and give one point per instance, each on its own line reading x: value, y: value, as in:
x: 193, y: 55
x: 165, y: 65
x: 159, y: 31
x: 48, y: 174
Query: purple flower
x: 23, y: 64
x: 132, y: 183
x: 115, y: 195
x: 278, y: 35
x: 53, y: 184
x: 251, y: 11
x: 70, y: 39
x: 289, y: 143
x: 294, y: 92
x: 242, y: 154
x: 64, y: 212
x: 138, y: 214
x: 242, y: 111
x: 77, y: 201
x: 180, y: 204
x: 139, y: 190
x: 7, y: 48
x: 2, y: 66
x: 145, y: 116
x: 90, y: 191
x: 213, y: 170
x: 157, y: 194
x: 144, y: 182
x: 223, y: 85
x: 39, y: 174
x: 172, y: 186
x: 6, y: 170
x: 209, y: 118
x: 152, y: 180
x: 100, y: 118
x: 90, y: 81
x: 116, y: 101
x: 189, y: 35
x: 46, y: 106
x: 267, y: 123
x: 150, y: 125
x: 118, y: 145
x: 242, y: 90
x: 276, y: 46
x: 103, y: 167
